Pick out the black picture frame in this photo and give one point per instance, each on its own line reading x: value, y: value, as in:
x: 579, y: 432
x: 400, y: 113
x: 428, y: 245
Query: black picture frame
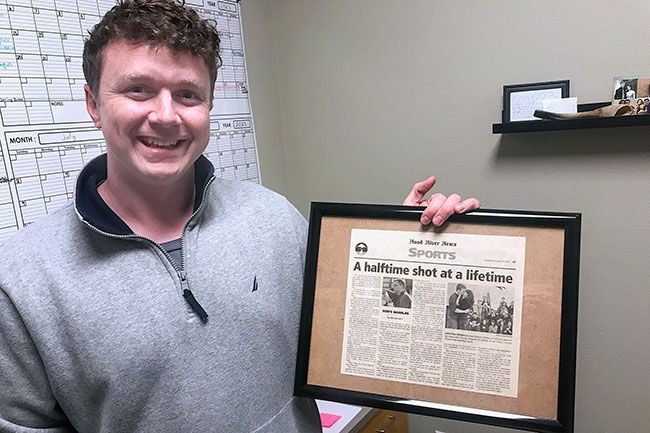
x: 532, y: 88
x: 568, y: 223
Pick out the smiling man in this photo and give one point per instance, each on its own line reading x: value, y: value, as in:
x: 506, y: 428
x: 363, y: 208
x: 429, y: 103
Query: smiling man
x: 144, y: 307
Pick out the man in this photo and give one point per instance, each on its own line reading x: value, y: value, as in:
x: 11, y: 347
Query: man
x: 619, y: 93
x: 465, y: 308
x: 145, y: 306
x: 455, y: 314
x: 403, y: 299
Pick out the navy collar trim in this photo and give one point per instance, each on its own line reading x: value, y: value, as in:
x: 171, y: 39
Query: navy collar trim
x: 94, y: 210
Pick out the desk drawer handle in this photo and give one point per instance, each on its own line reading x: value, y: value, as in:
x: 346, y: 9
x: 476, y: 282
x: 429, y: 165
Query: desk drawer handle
x: 389, y: 422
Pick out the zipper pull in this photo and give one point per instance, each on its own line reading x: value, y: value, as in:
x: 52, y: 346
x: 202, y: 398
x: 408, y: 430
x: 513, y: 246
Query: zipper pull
x: 189, y: 297
x: 194, y: 304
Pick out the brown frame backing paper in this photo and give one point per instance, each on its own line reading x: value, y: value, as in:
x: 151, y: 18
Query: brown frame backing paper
x: 540, y: 329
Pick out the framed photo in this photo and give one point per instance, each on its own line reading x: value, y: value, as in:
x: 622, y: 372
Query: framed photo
x: 521, y: 100
x: 632, y: 91
x: 474, y: 321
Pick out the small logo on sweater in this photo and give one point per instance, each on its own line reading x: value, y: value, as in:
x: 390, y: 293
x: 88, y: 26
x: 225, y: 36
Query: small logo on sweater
x: 254, y: 284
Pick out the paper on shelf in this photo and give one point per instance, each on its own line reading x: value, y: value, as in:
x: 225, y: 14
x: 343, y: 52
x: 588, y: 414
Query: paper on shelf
x: 564, y: 105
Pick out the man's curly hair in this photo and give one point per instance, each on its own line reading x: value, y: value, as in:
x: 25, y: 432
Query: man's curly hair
x: 165, y: 23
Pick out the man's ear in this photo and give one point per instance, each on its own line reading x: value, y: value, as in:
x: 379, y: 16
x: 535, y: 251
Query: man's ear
x: 92, y: 106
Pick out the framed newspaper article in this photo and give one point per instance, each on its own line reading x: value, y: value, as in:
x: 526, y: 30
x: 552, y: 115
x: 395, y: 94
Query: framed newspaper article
x: 474, y: 321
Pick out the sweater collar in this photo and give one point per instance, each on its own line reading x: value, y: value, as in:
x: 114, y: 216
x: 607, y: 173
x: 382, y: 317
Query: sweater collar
x: 92, y: 209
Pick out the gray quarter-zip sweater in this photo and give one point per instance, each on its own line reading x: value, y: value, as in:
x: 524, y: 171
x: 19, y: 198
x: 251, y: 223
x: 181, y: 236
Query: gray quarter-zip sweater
x: 97, y: 336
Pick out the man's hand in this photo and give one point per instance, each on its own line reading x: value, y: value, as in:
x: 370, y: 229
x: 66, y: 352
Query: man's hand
x: 439, y: 207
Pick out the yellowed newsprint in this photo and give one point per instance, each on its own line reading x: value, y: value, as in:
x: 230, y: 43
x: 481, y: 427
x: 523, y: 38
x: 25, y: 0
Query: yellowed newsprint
x: 435, y: 309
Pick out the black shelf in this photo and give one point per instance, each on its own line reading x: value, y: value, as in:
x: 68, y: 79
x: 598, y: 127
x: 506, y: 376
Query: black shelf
x: 562, y: 125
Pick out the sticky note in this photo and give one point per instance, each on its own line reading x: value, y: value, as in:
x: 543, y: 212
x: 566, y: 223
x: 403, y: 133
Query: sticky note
x: 328, y: 419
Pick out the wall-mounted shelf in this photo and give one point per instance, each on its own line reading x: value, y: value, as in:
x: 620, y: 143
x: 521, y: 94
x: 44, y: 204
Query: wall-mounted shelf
x: 561, y: 125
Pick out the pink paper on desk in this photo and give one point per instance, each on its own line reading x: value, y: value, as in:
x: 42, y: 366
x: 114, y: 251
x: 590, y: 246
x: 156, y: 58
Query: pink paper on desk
x: 328, y: 419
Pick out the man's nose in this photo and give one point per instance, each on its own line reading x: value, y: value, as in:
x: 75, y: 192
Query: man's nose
x: 165, y: 111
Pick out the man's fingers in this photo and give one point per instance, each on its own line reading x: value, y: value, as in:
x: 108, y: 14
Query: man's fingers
x: 439, y: 207
x: 445, y: 210
x: 419, y: 190
x: 467, y: 205
x: 435, y: 203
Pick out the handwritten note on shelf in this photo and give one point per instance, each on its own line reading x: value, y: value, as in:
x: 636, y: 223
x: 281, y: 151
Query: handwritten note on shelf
x: 524, y: 104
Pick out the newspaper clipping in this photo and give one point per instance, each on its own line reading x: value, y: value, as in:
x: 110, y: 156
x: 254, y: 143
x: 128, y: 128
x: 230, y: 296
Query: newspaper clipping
x: 435, y: 309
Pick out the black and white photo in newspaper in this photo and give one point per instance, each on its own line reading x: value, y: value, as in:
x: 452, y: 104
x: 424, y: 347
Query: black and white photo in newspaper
x: 438, y: 309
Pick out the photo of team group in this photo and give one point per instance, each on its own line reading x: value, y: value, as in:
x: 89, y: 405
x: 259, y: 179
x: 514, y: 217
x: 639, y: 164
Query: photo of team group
x: 397, y: 292
x: 480, y: 308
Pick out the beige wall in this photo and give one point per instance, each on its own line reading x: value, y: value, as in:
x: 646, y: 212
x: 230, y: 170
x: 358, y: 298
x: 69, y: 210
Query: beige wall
x: 265, y: 93
x: 354, y: 100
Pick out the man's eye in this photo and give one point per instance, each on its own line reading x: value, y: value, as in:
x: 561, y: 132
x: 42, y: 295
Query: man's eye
x: 136, y: 89
x: 188, y: 95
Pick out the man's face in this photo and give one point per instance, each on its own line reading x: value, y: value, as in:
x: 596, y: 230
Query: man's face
x: 153, y: 107
x: 397, y: 287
